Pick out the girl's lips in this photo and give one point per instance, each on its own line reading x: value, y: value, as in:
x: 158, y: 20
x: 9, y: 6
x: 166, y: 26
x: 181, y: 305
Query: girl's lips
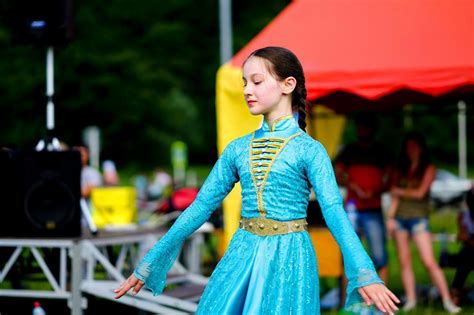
x: 251, y: 102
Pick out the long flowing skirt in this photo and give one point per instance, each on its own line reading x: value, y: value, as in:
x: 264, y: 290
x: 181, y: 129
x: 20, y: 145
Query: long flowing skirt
x: 264, y: 275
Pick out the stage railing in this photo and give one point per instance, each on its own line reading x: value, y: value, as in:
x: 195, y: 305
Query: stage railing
x: 87, y: 252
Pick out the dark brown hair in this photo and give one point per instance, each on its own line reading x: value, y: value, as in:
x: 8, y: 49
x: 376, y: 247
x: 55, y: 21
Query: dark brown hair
x: 405, y: 162
x: 283, y: 64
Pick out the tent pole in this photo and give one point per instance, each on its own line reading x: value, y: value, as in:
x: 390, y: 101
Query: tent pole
x: 225, y: 30
x: 462, y: 147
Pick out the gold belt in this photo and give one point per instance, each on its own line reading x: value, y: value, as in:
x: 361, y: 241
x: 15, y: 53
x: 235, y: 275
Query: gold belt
x: 266, y: 227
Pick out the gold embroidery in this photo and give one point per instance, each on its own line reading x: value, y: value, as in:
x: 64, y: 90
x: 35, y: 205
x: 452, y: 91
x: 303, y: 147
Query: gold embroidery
x: 262, y: 168
x: 263, y: 164
x: 265, y: 145
x: 262, y: 157
x: 259, y: 201
x: 269, y: 139
x: 269, y: 151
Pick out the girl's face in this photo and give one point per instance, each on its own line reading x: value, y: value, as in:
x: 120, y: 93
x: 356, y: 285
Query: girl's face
x: 413, y: 149
x: 262, y: 91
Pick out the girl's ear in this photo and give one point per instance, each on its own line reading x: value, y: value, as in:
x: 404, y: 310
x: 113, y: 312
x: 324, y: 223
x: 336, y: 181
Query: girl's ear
x: 288, y: 85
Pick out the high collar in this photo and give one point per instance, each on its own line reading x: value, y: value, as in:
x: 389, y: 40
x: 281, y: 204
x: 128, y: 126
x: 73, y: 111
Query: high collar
x: 279, y: 124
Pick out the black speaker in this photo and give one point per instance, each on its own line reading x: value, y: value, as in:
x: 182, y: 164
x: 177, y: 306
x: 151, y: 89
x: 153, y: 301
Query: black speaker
x: 40, y: 194
x: 41, y: 22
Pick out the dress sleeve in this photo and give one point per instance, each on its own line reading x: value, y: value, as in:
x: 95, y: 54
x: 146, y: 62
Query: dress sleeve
x: 358, y: 266
x: 153, y: 268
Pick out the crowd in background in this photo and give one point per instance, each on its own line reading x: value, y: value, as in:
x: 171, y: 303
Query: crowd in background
x: 367, y: 169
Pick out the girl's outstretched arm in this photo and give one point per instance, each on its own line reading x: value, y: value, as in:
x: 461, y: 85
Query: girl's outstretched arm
x: 153, y: 268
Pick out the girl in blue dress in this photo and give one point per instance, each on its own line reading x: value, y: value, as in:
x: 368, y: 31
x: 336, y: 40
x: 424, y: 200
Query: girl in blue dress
x: 270, y: 265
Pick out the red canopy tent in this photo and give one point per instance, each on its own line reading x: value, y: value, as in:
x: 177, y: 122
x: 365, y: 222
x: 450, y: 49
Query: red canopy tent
x: 373, y: 52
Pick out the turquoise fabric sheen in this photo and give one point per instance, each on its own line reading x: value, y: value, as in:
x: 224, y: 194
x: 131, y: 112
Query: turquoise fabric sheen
x: 270, y: 274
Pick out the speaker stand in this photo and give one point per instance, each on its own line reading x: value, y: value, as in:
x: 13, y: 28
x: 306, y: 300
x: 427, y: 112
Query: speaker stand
x: 87, y: 216
x: 50, y: 142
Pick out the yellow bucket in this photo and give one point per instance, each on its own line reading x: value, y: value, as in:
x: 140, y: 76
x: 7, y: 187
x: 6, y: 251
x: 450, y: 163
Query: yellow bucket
x: 114, y: 206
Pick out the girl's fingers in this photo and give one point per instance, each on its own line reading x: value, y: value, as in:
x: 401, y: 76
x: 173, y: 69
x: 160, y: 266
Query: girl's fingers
x: 389, y: 299
x: 120, y: 287
x: 379, y: 295
x: 125, y: 286
x: 390, y: 303
x: 131, y: 282
x: 393, y: 296
x: 365, y: 296
x: 123, y: 290
x: 378, y: 302
x: 138, y: 287
x: 375, y: 294
x: 384, y: 300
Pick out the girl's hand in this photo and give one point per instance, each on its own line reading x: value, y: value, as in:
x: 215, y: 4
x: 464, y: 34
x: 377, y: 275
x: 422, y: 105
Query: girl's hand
x: 379, y: 295
x: 131, y: 282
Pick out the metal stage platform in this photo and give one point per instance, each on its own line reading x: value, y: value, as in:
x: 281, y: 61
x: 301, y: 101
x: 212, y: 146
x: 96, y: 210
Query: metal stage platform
x: 88, y: 252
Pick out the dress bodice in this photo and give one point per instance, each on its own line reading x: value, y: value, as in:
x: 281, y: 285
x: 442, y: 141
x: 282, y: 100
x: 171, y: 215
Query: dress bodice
x: 273, y: 164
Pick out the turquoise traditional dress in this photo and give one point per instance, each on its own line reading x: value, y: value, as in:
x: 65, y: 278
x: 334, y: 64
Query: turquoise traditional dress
x: 275, y: 274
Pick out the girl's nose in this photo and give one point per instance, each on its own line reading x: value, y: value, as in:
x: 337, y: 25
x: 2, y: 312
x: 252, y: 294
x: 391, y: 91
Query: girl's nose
x: 247, y: 90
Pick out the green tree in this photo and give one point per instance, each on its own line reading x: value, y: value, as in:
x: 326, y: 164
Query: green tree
x: 144, y: 72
